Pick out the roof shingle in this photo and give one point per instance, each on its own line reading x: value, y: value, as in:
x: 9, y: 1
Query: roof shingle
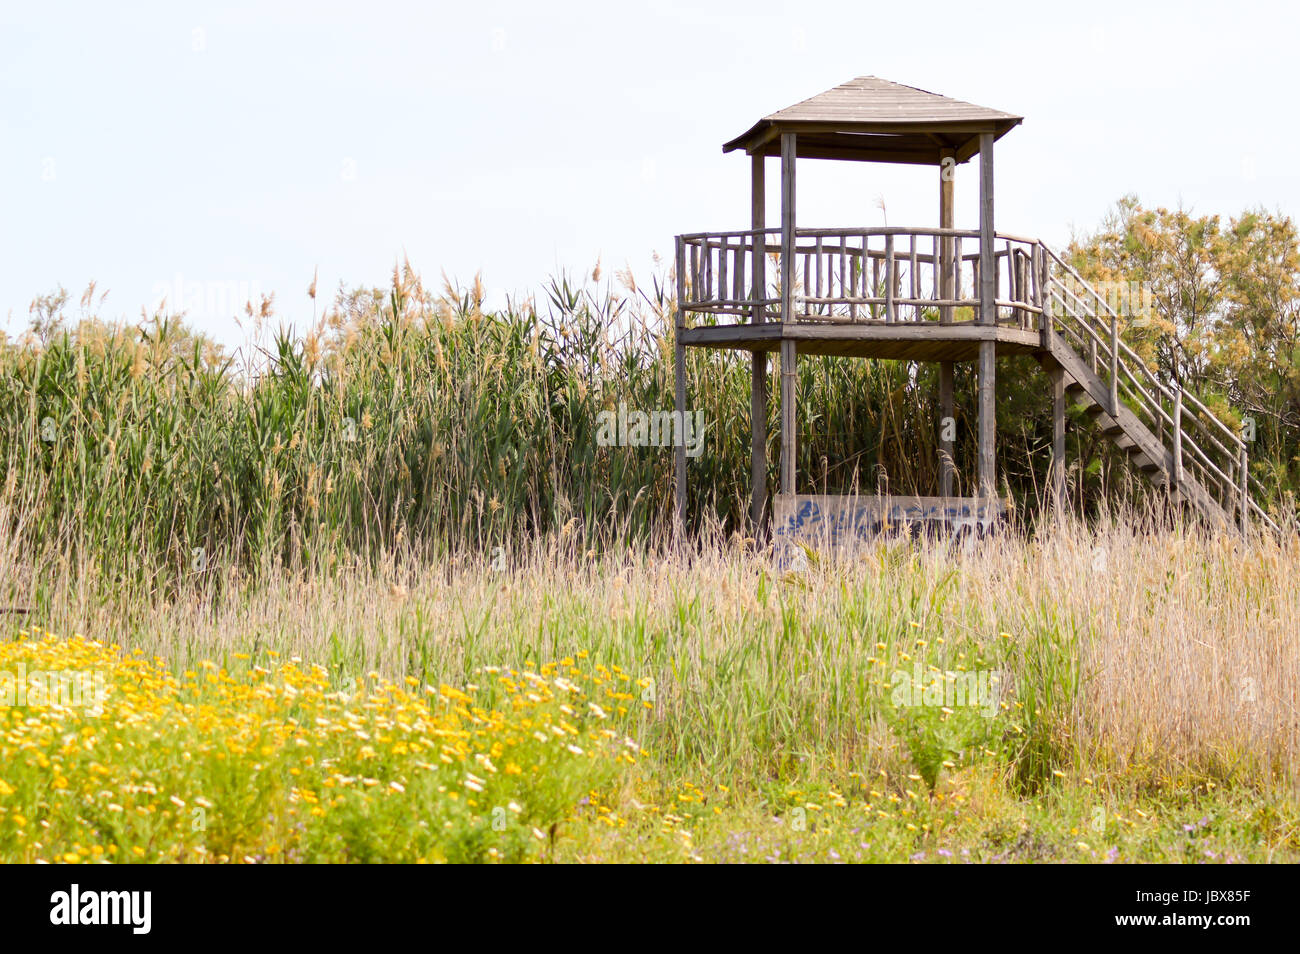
x: 874, y: 119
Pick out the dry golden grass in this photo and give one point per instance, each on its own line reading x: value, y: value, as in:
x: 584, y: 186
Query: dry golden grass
x: 1166, y: 656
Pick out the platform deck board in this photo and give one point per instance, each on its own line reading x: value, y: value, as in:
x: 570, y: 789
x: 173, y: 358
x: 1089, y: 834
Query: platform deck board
x: 930, y: 341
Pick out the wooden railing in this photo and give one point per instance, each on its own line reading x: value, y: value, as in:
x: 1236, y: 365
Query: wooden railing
x: 857, y: 275
x: 909, y: 275
x: 1201, y: 445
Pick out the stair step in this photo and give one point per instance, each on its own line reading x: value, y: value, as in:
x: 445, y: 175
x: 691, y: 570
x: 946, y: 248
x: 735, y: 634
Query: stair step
x: 1085, y: 390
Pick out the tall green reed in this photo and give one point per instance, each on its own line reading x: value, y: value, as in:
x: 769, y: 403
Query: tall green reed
x: 414, y: 419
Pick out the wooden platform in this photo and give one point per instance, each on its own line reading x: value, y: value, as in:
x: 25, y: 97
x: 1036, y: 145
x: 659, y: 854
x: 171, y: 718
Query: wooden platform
x: 926, y: 294
x: 911, y: 341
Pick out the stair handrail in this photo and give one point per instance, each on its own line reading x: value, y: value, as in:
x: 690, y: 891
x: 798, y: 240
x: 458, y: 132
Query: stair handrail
x: 1124, y: 347
x: 1154, y: 409
x: 1183, y: 440
x: 1155, y: 382
x: 1106, y: 337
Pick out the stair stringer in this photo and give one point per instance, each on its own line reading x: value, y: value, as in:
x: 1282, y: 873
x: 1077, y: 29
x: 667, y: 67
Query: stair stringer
x: 1124, y: 422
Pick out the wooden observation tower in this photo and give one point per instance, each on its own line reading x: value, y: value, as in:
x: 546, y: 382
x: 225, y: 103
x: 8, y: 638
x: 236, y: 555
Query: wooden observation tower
x: 938, y: 294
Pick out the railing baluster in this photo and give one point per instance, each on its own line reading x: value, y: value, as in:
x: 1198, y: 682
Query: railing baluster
x: 1023, y: 283
x: 736, y: 268
x: 1029, y: 281
x: 695, y: 271
x: 1031, y: 284
x: 998, y: 265
x: 714, y: 290
x: 738, y: 286
x: 1030, y: 262
x: 706, y: 292
x: 1007, y: 262
x: 915, y: 281
x: 936, y: 266
x: 818, y: 256
x: 807, y: 278
x: 1035, y: 267
x: 706, y: 270
x: 875, y: 286
x: 868, y: 275
x: 1013, y: 282
x: 956, y: 268
x: 844, y: 264
x: 855, y: 281
x: 889, y: 279
x: 723, y: 250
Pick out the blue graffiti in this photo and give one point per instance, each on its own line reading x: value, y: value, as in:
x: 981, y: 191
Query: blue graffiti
x: 846, y: 523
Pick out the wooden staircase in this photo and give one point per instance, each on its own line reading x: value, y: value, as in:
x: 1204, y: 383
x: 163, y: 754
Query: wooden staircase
x: 1167, y: 435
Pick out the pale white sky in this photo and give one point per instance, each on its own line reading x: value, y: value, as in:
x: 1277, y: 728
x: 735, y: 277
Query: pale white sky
x: 248, y: 145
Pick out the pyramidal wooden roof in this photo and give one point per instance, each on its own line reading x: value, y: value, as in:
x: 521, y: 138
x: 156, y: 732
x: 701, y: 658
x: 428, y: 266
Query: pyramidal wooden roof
x: 873, y: 119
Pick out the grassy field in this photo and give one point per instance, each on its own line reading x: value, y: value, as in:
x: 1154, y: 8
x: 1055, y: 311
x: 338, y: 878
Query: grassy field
x: 378, y: 593
x: 717, y: 708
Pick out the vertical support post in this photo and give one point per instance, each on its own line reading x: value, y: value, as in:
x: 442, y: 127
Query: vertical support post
x: 1056, y: 480
x: 758, y: 222
x: 947, y: 216
x: 946, y: 444
x: 758, y: 362
x: 758, y: 442
x: 1178, y: 440
x: 1114, y: 367
x: 788, y: 353
x: 947, y: 189
x: 988, y: 273
x: 789, y: 357
x: 988, y: 317
x: 679, y: 393
x: 1245, y: 489
x: 1041, y: 298
x: 987, y: 419
x: 787, y: 226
